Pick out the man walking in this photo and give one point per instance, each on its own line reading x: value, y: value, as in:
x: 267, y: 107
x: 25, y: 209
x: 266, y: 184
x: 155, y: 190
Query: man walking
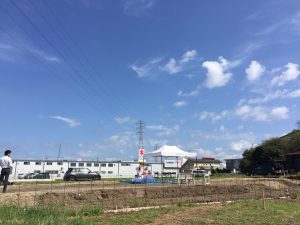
x: 6, y: 164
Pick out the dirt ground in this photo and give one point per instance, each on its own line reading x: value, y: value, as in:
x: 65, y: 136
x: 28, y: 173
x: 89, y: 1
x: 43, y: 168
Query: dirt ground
x: 113, y: 194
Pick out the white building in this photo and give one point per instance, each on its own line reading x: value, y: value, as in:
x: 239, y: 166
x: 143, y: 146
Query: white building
x: 107, y: 169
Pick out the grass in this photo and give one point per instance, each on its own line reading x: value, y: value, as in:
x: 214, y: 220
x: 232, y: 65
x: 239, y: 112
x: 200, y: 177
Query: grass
x: 252, y: 212
x: 241, y: 212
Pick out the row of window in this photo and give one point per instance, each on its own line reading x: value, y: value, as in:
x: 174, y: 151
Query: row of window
x: 40, y: 163
x: 80, y: 164
x: 109, y: 172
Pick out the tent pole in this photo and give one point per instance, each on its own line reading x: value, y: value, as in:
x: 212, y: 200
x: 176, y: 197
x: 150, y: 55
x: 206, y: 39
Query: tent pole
x: 177, y: 168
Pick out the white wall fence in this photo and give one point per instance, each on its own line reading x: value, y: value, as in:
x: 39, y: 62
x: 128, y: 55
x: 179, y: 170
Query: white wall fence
x: 107, y: 169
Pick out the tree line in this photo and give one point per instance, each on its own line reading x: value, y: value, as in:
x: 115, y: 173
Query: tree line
x: 271, y: 152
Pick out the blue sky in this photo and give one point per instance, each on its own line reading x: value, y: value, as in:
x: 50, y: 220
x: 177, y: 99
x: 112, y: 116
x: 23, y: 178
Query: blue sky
x: 213, y: 77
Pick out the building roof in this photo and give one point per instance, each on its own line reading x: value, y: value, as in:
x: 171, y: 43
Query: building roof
x: 205, y: 160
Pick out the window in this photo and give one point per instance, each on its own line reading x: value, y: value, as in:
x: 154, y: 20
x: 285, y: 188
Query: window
x: 89, y: 164
x: 38, y: 163
x: 49, y: 163
x: 36, y: 171
x: 110, y: 172
x: 125, y: 164
x: 110, y: 165
x: 59, y: 163
x: 103, y: 164
x: 103, y: 172
x: 80, y: 164
x: 26, y: 163
x: 84, y: 170
x: 96, y: 164
x: 73, y: 164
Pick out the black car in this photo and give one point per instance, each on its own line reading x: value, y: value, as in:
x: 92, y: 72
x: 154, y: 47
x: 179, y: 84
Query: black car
x: 42, y: 176
x: 81, y: 174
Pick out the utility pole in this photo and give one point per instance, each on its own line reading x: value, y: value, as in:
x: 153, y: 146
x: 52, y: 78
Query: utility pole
x: 155, y: 146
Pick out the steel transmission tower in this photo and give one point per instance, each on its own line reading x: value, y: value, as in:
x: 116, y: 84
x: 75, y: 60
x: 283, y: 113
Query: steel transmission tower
x: 140, y: 132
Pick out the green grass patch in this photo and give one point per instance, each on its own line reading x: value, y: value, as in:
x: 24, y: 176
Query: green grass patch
x: 252, y: 212
x: 240, y: 212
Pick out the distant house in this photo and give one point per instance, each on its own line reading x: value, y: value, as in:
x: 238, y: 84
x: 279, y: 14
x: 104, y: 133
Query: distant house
x: 206, y: 163
x: 233, y: 164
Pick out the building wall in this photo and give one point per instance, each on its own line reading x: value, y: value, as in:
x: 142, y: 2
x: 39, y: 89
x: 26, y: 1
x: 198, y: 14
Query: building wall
x: 126, y: 169
x: 233, y: 164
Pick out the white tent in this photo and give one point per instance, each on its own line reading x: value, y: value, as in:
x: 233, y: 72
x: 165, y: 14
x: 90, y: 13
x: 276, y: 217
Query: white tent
x: 170, y: 151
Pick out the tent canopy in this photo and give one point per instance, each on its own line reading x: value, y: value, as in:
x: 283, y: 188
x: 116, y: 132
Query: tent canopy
x: 170, y: 151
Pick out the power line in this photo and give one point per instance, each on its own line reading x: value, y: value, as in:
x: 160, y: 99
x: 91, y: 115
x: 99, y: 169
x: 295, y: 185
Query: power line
x: 48, y: 68
x: 106, y: 86
x: 76, y: 79
x: 91, y: 75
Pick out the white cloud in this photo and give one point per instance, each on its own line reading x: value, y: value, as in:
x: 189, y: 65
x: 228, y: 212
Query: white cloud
x: 291, y: 73
x: 10, y: 52
x: 280, y: 112
x: 240, y: 145
x: 254, y: 71
x: 259, y: 113
x: 171, y: 67
x: 294, y: 94
x: 217, y: 74
x: 70, y: 122
x: 163, y: 130
x: 138, y: 7
x: 147, y: 69
x: 188, y: 94
x: 278, y: 94
x: 122, y: 120
x: 180, y: 104
x: 156, y: 127
x: 214, y: 116
x: 189, y: 56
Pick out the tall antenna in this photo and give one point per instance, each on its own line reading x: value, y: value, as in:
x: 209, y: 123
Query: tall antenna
x: 59, y: 152
x: 140, y: 132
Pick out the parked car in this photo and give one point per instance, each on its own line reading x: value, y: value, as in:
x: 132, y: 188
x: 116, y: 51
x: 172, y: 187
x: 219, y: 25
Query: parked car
x: 21, y: 175
x: 81, y: 174
x: 29, y: 175
x: 42, y: 176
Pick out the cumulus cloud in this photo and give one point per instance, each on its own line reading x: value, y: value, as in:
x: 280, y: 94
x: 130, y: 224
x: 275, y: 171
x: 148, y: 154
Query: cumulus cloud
x: 189, y: 56
x: 254, y: 71
x: 280, y: 112
x: 70, y: 122
x: 217, y: 73
x: 122, y: 120
x: 259, y: 113
x: 157, y: 66
x: 240, y: 145
x: 291, y: 73
x: 171, y: 67
x: 180, y: 104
